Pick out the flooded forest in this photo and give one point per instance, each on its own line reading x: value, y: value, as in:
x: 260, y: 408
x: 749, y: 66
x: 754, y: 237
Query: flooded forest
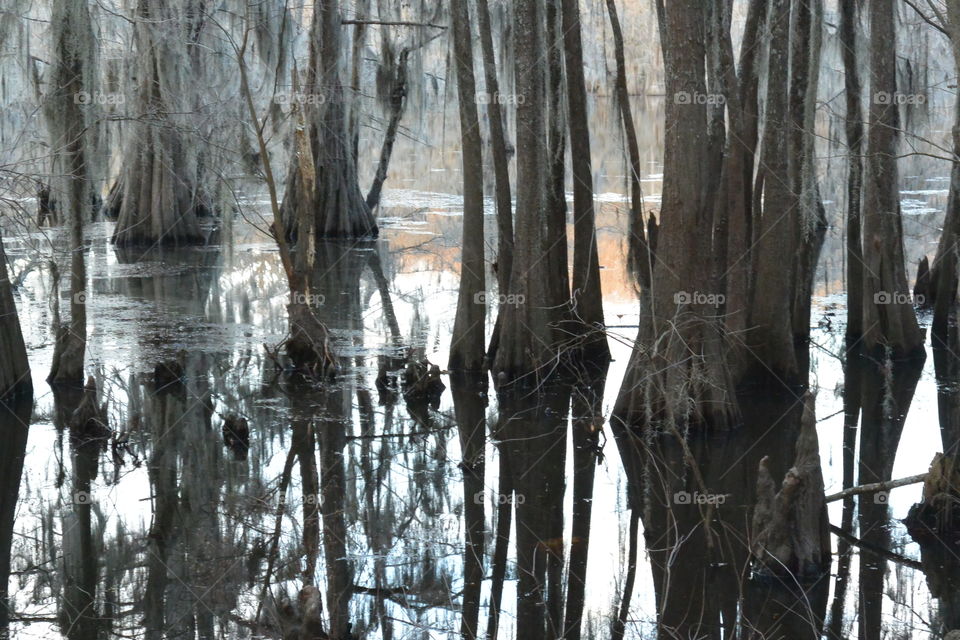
x: 479, y: 319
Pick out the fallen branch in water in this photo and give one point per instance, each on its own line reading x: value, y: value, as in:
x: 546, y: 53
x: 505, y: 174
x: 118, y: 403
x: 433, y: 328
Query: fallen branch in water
x: 876, y: 487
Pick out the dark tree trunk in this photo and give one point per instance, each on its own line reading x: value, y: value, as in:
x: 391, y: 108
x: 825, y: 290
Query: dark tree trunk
x: 677, y: 374
x: 806, y: 40
x: 854, y: 133
x: 888, y: 316
x: 771, y: 336
x: 587, y: 293
x: 555, y: 242
x: 501, y: 167
x: 498, y: 145
x: 14, y: 418
x: 14, y: 367
x: 467, y: 350
x: 527, y: 339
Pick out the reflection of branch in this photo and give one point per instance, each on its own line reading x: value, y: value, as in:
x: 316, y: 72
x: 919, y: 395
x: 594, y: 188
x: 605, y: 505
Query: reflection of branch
x: 875, y: 487
x: 275, y: 541
x: 879, y: 551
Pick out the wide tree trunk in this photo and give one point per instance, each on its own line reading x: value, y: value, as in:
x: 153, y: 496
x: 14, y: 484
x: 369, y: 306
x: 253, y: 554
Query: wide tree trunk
x: 159, y: 203
x: 677, y: 372
x: 527, y: 336
x: 467, y: 350
x: 888, y: 316
x: 332, y: 198
x: 14, y: 368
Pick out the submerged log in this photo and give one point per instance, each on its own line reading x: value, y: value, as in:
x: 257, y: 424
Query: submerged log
x: 791, y: 525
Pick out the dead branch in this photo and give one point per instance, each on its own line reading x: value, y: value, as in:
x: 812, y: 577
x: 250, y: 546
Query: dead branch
x: 875, y: 487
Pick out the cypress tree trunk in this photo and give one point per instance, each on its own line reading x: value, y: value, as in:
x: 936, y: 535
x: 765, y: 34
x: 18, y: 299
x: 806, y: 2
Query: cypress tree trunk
x: 555, y: 242
x: 72, y: 34
x: 14, y: 368
x: 159, y: 202
x: 943, y: 271
x: 854, y: 132
x: 527, y: 337
x: 467, y: 350
x: 498, y: 144
x: 333, y: 200
x: 771, y: 336
x: 888, y: 316
x: 807, y: 40
x: 587, y: 293
x: 676, y: 374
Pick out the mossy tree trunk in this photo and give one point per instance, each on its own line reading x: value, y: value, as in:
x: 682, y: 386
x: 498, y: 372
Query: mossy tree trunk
x: 73, y: 33
x: 159, y: 202
x: 332, y: 199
